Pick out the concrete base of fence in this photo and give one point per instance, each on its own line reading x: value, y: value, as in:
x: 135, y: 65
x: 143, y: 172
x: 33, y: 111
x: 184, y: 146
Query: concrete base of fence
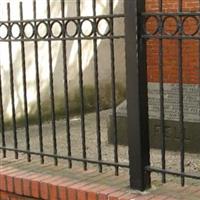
x: 173, y: 137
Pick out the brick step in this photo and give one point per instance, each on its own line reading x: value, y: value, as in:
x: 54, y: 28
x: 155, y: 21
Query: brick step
x: 20, y: 180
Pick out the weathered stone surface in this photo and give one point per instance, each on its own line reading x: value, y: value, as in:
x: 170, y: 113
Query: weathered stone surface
x: 191, y: 103
x: 173, y: 135
x: 172, y: 139
x: 122, y: 109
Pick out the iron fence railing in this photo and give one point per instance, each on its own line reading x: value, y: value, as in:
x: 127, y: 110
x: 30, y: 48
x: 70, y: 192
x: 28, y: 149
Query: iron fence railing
x: 136, y: 37
x: 34, y: 35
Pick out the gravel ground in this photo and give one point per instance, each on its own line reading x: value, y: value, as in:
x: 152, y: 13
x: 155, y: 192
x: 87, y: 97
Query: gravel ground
x: 192, y: 161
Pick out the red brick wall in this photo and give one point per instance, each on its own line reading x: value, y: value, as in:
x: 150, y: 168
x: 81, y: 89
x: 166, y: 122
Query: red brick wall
x: 11, y: 196
x: 23, y: 184
x: 172, y: 5
x: 190, y: 48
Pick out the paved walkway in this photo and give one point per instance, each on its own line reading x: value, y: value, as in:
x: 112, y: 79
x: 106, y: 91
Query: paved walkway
x: 76, y: 184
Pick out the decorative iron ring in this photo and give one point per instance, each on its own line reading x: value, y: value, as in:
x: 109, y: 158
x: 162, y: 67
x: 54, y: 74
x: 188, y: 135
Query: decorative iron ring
x: 157, y: 28
x: 197, y: 22
x: 92, y: 27
x: 97, y: 26
x: 11, y: 31
x: 37, y: 30
x: 6, y: 26
x: 33, y: 31
x: 177, y: 25
x: 76, y: 31
x: 61, y: 28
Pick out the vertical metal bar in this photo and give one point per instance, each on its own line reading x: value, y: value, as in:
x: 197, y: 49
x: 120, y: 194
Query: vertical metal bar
x: 96, y: 75
x: 53, y: 116
x: 137, y: 99
x: 199, y: 65
x: 12, y: 85
x: 181, y: 106
x: 38, y: 88
x: 113, y: 83
x: 162, y: 113
x: 23, y: 55
x: 78, y: 5
x: 2, y: 128
x: 66, y: 85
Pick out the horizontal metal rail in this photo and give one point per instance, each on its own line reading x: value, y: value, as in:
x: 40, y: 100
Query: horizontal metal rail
x: 65, y: 38
x: 170, y: 172
x: 65, y: 18
x: 67, y: 157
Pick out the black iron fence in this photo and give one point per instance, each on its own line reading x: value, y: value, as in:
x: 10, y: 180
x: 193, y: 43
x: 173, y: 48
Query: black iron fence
x: 137, y: 84
x: 14, y: 31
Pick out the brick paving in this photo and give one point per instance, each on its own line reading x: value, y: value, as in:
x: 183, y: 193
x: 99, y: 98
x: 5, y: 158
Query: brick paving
x: 20, y: 180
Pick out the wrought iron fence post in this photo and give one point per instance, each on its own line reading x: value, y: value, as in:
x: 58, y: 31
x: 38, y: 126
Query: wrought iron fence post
x: 137, y: 99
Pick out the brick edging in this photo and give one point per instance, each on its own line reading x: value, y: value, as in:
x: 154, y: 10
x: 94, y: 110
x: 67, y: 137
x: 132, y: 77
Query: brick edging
x: 20, y: 185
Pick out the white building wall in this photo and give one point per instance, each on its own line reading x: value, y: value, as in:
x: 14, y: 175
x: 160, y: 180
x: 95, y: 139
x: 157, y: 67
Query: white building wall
x: 72, y: 55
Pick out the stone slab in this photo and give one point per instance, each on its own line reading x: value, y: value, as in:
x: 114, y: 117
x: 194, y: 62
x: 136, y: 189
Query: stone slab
x: 173, y: 137
x: 191, y: 111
